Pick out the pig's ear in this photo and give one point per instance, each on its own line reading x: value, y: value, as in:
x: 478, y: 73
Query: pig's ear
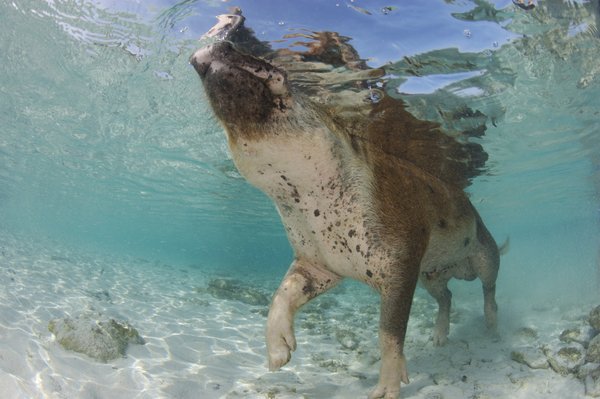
x: 321, y: 62
x: 328, y: 48
x: 324, y: 68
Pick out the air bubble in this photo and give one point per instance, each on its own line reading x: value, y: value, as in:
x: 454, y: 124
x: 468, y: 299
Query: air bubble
x: 386, y: 10
x: 163, y: 75
x: 375, y: 95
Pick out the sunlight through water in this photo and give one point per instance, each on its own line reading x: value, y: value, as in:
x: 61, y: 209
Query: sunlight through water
x: 118, y: 195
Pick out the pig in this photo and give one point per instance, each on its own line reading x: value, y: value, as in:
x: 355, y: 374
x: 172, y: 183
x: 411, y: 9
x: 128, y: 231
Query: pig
x: 364, y: 189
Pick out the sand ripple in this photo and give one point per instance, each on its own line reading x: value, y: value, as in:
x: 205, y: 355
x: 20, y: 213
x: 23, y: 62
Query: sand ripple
x: 198, y: 346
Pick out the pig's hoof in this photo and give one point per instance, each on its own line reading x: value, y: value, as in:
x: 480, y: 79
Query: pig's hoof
x: 278, y: 357
x: 280, y: 343
x: 381, y: 391
x: 440, y: 337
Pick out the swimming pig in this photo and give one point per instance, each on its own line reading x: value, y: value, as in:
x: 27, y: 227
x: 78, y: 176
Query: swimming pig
x: 364, y: 189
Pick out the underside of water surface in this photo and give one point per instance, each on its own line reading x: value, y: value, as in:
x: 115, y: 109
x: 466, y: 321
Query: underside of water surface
x: 120, y: 204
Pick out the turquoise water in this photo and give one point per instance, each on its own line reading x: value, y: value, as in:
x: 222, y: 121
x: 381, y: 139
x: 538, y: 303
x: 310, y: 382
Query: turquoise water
x: 107, y: 139
x: 109, y: 149
x: 108, y: 142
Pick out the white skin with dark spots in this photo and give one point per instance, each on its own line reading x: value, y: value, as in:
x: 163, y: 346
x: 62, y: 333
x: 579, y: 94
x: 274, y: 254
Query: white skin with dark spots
x: 322, y: 211
x: 322, y: 205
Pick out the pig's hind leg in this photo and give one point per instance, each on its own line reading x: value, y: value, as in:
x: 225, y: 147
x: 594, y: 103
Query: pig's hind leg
x: 437, y: 286
x: 486, y: 262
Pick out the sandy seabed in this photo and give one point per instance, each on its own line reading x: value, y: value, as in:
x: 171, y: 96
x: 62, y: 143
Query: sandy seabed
x: 201, y: 346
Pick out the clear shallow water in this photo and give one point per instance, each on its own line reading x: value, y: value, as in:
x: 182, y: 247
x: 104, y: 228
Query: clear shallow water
x: 107, y: 138
x: 108, y: 146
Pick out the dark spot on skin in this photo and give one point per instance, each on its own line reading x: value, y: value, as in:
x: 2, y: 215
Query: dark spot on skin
x: 317, y: 213
x: 369, y: 273
x: 310, y: 288
x: 345, y: 245
x: 281, y: 105
x: 295, y: 193
x: 467, y: 241
x: 283, y: 177
x: 442, y: 223
x: 358, y: 248
x: 351, y: 233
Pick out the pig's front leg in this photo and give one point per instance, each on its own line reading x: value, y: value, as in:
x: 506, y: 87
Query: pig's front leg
x: 303, y: 282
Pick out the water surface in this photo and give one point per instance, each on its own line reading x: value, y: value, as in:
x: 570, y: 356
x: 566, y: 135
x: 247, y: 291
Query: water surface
x: 109, y: 151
